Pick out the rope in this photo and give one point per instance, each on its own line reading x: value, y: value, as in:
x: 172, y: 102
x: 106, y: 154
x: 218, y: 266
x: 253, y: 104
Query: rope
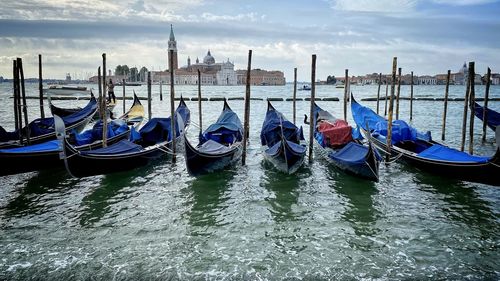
x: 393, y: 159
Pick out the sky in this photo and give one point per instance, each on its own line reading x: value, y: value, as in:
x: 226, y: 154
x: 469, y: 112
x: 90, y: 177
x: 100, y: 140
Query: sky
x: 427, y: 36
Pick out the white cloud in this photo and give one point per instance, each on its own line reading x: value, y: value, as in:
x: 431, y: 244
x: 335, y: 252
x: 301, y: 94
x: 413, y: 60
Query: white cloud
x: 464, y: 2
x: 380, y: 6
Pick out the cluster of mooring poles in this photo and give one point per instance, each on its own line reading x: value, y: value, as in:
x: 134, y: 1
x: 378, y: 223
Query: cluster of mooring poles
x: 21, y: 114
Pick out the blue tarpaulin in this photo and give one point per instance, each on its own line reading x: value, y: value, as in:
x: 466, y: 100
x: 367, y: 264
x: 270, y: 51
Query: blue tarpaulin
x: 440, y: 152
x: 42, y: 126
x: 227, y: 129
x: 352, y: 153
x: 275, y: 126
x: 115, y: 128
x: 296, y: 149
x: 42, y: 147
x: 158, y: 130
x: 121, y: 147
x: 401, y: 131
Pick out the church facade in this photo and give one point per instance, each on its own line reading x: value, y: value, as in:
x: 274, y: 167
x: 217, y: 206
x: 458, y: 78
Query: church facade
x: 211, y: 72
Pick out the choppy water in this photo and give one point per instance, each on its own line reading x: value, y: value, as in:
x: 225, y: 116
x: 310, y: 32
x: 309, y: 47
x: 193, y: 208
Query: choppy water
x: 252, y: 222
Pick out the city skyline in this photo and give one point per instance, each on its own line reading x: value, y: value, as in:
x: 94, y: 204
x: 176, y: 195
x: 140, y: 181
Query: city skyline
x: 427, y: 36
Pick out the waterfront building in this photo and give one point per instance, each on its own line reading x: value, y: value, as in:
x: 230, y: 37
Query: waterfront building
x: 427, y: 80
x: 495, y: 79
x: 460, y: 77
x: 441, y: 79
x: 261, y: 77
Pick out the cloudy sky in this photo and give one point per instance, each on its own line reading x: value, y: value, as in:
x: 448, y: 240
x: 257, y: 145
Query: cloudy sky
x: 427, y: 36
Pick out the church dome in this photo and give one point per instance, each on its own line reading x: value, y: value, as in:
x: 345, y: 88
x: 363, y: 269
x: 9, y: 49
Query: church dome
x: 208, y: 59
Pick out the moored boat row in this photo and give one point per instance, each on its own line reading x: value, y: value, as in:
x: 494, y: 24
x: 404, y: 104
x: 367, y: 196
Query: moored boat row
x: 220, y: 145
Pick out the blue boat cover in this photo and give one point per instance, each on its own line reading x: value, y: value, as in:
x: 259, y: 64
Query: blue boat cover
x: 401, y: 131
x: 296, y: 149
x: 134, y: 135
x: 158, y: 130
x: 42, y: 147
x: 115, y: 128
x: 440, y: 152
x: 213, y: 147
x: 121, y: 147
x: 272, y: 129
x: 351, y: 153
x: 227, y: 129
x: 42, y: 126
x: 493, y: 117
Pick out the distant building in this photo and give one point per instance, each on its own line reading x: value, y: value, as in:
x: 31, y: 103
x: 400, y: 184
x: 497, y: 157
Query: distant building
x: 261, y: 77
x: 1, y: 79
x: 495, y: 79
x: 441, y: 79
x: 460, y: 77
x: 68, y: 77
x: 427, y: 80
x: 211, y: 72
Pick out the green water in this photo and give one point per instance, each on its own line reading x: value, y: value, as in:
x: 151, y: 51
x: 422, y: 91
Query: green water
x: 252, y: 222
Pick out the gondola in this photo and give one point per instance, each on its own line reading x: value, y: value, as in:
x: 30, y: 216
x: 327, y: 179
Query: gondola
x: 220, y: 145
x: 492, y: 117
x: 336, y: 143
x: 63, y: 112
x: 152, y: 141
x: 46, y: 155
x: 42, y: 129
x: 283, y: 140
x: 422, y: 152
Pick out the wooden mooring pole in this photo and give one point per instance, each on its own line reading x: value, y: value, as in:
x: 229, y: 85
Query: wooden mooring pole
x: 199, y: 102
x: 472, y: 98
x: 464, y: 120
x: 40, y: 86
x: 378, y: 91
x: 246, y: 129
x: 99, y: 83
x: 486, y: 96
x: 17, y: 102
x: 391, y: 107
x: 161, y: 90
x: 172, y: 106
x: 150, y: 113
x: 104, y: 98
x: 443, y: 133
x: 411, y: 97
x: 16, y: 107
x: 398, y: 93
x: 386, y: 96
x: 294, y: 93
x: 123, y: 98
x: 311, y: 112
x: 25, y: 105
x: 346, y: 90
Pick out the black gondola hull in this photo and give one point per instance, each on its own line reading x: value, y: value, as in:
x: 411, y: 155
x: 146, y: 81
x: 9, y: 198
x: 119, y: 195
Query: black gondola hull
x: 16, y: 163
x: 89, y: 165
x: 78, y: 127
x: 486, y: 173
x: 199, y: 163
x: 285, y: 160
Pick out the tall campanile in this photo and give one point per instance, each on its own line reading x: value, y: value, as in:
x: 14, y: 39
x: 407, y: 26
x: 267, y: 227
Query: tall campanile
x: 172, y: 45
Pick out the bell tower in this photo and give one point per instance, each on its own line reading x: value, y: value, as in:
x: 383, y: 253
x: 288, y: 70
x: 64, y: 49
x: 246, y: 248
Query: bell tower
x: 172, y: 45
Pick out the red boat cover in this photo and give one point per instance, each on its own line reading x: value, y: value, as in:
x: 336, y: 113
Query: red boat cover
x: 335, y: 133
